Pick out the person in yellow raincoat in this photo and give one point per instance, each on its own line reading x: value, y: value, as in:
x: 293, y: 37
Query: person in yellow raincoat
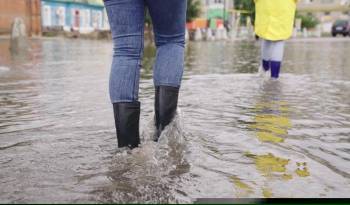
x: 274, y: 20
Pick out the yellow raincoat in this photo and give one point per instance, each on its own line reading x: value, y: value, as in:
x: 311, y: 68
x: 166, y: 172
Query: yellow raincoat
x: 274, y: 19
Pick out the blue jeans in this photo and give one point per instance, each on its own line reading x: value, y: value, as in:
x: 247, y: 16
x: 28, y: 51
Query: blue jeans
x: 126, y: 18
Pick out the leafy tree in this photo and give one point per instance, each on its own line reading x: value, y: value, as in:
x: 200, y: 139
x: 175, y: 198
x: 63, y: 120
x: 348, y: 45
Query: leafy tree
x: 246, y: 5
x: 148, y: 19
x: 193, y: 9
x: 307, y: 20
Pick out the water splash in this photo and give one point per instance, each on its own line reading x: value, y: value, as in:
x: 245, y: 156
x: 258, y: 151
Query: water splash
x: 147, y: 173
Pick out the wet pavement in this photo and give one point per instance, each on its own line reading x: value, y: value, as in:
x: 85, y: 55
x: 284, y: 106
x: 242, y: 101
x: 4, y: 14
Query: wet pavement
x: 237, y: 134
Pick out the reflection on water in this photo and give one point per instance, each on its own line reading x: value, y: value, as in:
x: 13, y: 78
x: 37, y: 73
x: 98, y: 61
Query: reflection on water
x: 237, y: 135
x: 271, y: 120
x: 242, y: 189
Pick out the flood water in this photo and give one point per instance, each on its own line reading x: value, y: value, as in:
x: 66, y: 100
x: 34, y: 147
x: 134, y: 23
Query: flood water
x: 236, y: 135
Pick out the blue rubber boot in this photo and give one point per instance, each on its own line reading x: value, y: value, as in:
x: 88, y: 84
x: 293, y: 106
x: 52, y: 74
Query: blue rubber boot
x: 266, y: 65
x: 275, y: 69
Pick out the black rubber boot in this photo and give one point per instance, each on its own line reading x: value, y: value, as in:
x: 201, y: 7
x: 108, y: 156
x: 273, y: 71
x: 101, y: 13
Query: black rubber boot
x: 127, y: 118
x: 165, y: 107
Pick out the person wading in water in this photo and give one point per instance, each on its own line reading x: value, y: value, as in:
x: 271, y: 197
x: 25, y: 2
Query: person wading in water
x: 126, y: 18
x: 274, y: 21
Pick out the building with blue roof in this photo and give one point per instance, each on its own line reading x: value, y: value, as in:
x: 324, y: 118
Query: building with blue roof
x: 82, y: 15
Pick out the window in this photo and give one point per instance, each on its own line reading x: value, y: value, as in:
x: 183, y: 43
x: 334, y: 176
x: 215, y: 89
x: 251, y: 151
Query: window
x: 61, y: 16
x: 96, y: 19
x: 46, y: 15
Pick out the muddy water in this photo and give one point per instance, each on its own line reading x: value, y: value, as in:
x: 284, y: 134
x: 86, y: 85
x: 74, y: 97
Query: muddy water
x: 237, y: 134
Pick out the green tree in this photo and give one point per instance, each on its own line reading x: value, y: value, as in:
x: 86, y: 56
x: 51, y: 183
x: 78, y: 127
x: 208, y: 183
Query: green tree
x: 193, y: 9
x: 148, y: 19
x: 248, y: 6
x: 307, y: 20
x: 244, y: 5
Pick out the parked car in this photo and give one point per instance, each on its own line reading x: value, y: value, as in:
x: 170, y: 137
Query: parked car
x: 341, y: 27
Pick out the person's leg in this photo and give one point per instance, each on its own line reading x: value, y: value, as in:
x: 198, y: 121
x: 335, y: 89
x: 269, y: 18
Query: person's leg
x: 169, y: 20
x: 277, y: 51
x: 265, y: 54
x: 126, y: 21
x: 126, y: 18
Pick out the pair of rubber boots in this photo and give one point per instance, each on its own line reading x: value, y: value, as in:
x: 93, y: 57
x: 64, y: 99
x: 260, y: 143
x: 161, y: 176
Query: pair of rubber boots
x: 274, y: 66
x: 127, y: 116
